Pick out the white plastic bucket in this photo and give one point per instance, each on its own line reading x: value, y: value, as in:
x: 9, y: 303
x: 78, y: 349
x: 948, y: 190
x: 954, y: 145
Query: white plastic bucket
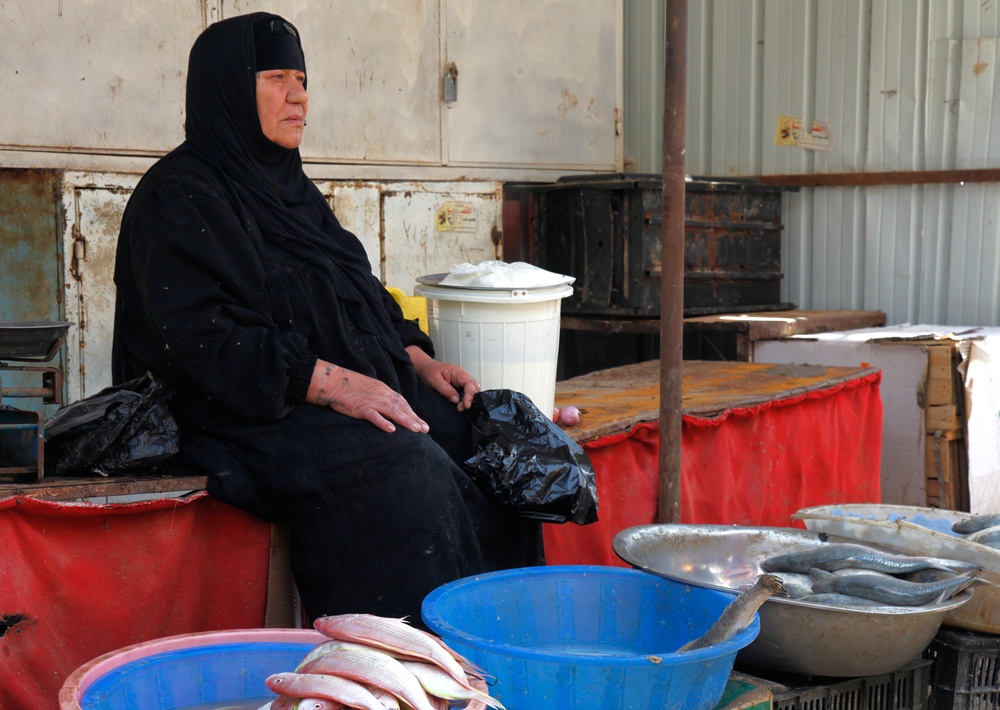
x: 505, y: 338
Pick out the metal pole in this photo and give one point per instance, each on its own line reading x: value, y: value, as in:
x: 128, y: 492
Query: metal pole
x: 672, y: 260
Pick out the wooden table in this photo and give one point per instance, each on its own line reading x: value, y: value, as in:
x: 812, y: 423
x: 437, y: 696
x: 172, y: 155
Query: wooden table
x: 612, y: 401
x: 758, y: 442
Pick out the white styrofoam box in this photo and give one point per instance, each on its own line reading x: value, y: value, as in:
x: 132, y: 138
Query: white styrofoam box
x: 896, y: 350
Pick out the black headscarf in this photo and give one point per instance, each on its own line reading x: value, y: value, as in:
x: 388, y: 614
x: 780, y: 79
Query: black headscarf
x: 223, y: 128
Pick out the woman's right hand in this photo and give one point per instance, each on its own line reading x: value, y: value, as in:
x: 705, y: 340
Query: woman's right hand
x: 361, y: 397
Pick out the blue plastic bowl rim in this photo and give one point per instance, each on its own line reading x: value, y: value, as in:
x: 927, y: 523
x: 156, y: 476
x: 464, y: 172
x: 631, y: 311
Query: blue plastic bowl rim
x: 441, y: 627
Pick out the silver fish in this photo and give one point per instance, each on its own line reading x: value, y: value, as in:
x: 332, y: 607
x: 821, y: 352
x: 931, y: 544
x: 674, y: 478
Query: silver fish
x: 739, y: 613
x: 987, y: 536
x: 890, y: 590
x: 839, y: 600
x: 976, y: 523
x: 834, y: 556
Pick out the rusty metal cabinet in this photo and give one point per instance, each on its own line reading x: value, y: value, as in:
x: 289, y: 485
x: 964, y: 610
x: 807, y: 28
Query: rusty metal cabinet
x: 60, y: 230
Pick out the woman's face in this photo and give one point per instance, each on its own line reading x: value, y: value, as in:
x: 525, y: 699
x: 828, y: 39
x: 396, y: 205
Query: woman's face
x: 282, y: 104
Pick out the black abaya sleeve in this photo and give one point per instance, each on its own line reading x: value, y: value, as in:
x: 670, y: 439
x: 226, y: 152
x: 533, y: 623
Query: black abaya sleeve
x: 197, y: 272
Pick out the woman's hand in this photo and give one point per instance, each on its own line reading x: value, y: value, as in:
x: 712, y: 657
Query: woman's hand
x: 361, y: 397
x: 450, y: 381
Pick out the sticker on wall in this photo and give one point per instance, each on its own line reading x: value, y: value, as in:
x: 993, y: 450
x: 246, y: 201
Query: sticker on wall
x: 456, y: 217
x: 791, y: 132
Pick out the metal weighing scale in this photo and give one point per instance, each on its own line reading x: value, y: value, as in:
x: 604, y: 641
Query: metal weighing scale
x: 22, y: 450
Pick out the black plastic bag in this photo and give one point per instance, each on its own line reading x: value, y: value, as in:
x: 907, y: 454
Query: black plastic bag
x: 125, y: 429
x: 524, y: 461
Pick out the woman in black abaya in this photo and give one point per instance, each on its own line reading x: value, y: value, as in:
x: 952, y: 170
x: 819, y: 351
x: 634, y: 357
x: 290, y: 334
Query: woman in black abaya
x: 301, y: 391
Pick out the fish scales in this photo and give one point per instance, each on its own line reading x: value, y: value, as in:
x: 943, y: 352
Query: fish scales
x: 373, y: 667
x: 311, y: 685
x: 834, y: 556
x: 439, y: 683
x: 832, y: 598
x: 394, y: 635
x: 890, y: 590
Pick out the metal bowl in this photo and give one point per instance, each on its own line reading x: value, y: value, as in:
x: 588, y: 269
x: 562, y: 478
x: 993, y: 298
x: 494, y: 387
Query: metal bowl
x: 32, y: 340
x: 795, y: 636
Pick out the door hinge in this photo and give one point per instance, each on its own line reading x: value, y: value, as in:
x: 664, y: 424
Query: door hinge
x: 79, y: 252
x: 618, y: 121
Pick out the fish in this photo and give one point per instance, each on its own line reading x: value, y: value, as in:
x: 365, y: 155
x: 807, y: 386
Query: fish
x: 834, y: 556
x: 976, y: 523
x: 987, y: 536
x: 314, y: 685
x: 439, y: 683
x: 891, y: 590
x: 305, y: 704
x: 371, y: 666
x: 797, y: 585
x: 394, y: 635
x: 834, y: 599
x: 320, y: 649
x: 388, y: 700
x: 739, y: 613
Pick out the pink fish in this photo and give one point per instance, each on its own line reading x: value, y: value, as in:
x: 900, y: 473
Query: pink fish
x: 393, y: 635
x: 435, y: 681
x: 286, y: 702
x: 371, y: 666
x: 308, y: 685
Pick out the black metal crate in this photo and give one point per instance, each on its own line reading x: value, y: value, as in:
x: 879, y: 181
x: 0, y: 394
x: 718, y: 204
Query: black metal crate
x: 905, y: 689
x: 966, y: 670
x: 22, y: 456
x: 606, y: 231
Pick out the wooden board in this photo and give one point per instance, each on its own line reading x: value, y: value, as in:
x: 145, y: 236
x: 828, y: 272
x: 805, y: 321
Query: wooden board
x: 65, y: 488
x: 614, y: 400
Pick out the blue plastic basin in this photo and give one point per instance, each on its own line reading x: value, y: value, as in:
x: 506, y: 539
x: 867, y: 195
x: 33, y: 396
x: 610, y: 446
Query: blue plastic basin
x: 587, y: 637
x: 188, y: 670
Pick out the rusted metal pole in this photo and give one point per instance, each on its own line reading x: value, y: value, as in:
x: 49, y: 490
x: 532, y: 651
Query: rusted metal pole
x: 672, y: 259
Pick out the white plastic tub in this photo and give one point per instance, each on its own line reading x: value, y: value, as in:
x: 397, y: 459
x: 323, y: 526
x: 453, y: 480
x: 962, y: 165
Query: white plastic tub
x: 505, y: 338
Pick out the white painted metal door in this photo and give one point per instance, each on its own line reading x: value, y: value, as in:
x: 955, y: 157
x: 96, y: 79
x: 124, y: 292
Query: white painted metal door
x: 93, y: 219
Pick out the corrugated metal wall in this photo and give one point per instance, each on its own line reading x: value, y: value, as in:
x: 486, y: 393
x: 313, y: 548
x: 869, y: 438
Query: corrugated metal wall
x: 904, y: 85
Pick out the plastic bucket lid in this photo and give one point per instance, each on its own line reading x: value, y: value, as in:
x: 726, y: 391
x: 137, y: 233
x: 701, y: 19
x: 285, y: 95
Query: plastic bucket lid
x: 494, y: 295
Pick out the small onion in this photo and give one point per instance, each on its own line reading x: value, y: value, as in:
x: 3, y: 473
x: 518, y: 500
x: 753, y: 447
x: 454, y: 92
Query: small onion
x: 569, y: 416
x: 555, y: 414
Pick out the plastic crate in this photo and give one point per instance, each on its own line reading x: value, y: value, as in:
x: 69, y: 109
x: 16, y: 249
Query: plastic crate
x: 905, y: 689
x: 966, y: 670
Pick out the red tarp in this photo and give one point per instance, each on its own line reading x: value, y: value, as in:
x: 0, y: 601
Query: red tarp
x: 78, y: 580
x: 748, y: 466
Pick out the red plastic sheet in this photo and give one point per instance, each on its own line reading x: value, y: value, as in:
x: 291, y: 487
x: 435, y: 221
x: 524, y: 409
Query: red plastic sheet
x: 748, y: 466
x: 78, y: 580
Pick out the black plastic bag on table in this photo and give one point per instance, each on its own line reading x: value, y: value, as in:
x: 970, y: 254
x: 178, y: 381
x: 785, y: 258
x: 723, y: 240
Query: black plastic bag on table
x: 124, y: 429
x: 524, y: 461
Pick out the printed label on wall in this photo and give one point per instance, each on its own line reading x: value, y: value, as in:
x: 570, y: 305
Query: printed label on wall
x: 456, y: 217
x: 791, y: 132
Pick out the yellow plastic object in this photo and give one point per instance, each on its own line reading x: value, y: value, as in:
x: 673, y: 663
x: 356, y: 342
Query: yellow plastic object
x: 414, y: 307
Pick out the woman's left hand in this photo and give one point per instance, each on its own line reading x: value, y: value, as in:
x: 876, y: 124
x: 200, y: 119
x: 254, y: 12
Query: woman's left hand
x: 450, y: 381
